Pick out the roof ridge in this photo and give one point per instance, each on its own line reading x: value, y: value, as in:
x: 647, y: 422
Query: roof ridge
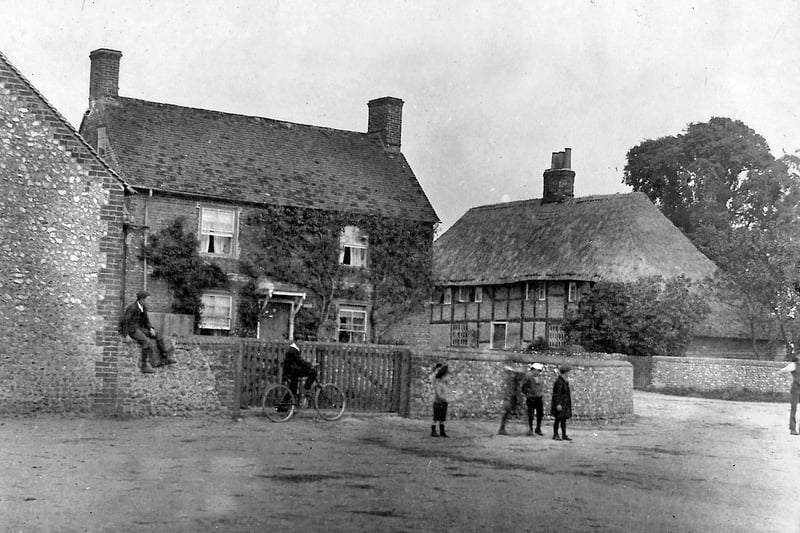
x: 251, y: 117
x: 577, y: 199
x: 62, y: 119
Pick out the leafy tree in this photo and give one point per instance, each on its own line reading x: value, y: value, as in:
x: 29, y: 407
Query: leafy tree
x: 719, y: 183
x: 649, y: 316
x: 692, y: 176
x: 173, y: 254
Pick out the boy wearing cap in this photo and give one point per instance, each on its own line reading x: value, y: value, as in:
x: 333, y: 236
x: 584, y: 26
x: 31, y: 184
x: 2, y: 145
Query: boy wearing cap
x: 532, y: 389
x: 561, y: 406
x: 136, y: 324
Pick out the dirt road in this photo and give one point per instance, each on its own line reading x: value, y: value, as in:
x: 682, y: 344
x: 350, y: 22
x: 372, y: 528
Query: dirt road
x: 683, y: 465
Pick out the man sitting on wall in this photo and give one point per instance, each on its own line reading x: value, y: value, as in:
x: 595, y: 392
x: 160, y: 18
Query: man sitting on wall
x: 136, y: 324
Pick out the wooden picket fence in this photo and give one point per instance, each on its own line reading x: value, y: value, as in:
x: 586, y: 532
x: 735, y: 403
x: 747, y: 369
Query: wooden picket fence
x: 374, y: 378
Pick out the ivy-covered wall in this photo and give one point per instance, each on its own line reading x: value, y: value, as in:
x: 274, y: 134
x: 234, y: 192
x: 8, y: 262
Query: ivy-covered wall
x: 299, y: 246
x: 302, y: 246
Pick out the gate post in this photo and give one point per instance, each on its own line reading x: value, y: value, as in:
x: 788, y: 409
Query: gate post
x: 404, y: 383
x: 237, y: 380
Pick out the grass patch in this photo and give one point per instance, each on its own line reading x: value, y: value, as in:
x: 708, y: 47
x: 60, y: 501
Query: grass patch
x: 738, y: 394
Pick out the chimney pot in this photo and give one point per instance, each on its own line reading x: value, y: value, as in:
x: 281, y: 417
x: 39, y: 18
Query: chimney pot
x: 559, y: 179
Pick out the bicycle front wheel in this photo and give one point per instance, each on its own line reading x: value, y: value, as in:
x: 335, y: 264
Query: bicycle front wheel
x: 278, y: 403
x: 329, y: 402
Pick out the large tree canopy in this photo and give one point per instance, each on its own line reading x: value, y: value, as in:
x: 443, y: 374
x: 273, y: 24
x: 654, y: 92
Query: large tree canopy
x: 719, y: 183
x: 693, y: 176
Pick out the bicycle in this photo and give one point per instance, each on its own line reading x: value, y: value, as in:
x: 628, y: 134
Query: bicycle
x: 279, y: 404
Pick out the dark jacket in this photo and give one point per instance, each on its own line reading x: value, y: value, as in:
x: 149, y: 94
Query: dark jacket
x: 135, y: 318
x: 562, y: 397
x: 532, y: 385
x: 294, y: 365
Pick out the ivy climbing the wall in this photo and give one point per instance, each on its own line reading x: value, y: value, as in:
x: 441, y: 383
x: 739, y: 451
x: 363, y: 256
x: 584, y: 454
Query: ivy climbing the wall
x: 302, y: 246
x: 172, y: 252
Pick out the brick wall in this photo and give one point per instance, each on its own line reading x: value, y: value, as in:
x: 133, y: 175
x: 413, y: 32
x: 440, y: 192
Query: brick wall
x: 719, y: 374
x: 413, y: 330
x: 602, y: 387
x: 156, y: 212
x: 60, y: 266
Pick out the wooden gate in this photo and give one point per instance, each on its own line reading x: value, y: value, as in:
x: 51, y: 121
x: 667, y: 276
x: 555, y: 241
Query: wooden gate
x: 373, y: 377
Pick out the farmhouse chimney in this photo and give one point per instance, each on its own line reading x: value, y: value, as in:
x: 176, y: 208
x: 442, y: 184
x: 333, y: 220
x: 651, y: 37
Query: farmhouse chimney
x: 386, y: 119
x: 104, y: 73
x: 559, y: 179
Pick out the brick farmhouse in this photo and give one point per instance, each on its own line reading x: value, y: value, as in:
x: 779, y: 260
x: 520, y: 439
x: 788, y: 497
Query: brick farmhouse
x: 220, y: 170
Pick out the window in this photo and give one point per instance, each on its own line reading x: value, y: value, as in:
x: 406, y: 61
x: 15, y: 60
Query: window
x: 448, y: 295
x: 572, y: 292
x: 470, y: 294
x: 459, y: 335
x: 541, y: 291
x: 352, y: 325
x: 217, y: 231
x: 216, y: 312
x: 499, y: 334
x: 353, y: 251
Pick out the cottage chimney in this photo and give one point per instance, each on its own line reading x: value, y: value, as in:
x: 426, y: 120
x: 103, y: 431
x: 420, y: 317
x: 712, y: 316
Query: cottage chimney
x: 559, y: 179
x: 104, y: 73
x: 386, y: 119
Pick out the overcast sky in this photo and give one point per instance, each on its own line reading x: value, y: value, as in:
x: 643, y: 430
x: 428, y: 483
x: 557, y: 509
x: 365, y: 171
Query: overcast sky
x: 490, y: 88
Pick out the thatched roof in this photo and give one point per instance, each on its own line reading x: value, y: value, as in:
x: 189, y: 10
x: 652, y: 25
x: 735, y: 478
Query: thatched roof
x: 618, y: 237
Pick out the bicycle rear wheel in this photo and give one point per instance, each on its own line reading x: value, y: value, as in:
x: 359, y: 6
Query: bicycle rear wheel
x: 329, y: 402
x: 278, y: 403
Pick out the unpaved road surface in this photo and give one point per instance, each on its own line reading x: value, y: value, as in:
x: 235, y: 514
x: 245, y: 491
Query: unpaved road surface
x: 682, y: 465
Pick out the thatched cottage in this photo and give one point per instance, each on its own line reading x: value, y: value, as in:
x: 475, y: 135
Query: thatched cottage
x: 507, y: 274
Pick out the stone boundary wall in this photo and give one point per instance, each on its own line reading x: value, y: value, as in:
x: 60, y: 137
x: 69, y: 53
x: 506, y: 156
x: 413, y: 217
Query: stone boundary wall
x: 601, y: 385
x: 717, y: 374
x: 200, y: 383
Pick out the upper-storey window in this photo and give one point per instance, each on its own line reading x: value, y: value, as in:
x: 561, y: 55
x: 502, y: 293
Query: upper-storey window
x: 541, y: 290
x: 572, y: 291
x: 470, y: 294
x: 217, y: 231
x: 354, y: 244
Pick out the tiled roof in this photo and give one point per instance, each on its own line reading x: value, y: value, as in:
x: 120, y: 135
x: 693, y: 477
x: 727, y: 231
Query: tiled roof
x: 617, y: 237
x: 260, y: 160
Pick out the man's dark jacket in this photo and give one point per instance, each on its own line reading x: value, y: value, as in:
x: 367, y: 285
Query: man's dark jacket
x: 135, y: 318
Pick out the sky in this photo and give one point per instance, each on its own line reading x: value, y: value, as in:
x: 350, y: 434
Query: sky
x: 491, y: 89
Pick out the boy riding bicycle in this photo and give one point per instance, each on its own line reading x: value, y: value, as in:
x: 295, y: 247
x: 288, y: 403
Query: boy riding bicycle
x: 295, y: 367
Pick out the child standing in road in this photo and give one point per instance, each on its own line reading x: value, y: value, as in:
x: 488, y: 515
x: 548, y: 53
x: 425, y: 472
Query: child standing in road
x: 512, y: 379
x: 440, y: 383
x: 561, y: 406
x: 534, y: 394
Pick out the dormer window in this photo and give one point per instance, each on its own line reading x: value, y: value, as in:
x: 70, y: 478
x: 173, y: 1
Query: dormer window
x: 354, y: 245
